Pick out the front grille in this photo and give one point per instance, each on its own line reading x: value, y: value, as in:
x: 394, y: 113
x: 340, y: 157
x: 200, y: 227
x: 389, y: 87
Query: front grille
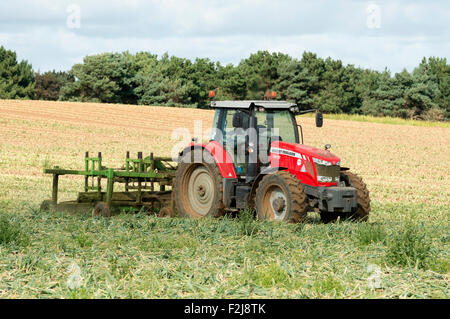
x: 324, y: 173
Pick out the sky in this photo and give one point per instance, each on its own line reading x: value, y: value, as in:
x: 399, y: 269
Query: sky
x: 392, y: 34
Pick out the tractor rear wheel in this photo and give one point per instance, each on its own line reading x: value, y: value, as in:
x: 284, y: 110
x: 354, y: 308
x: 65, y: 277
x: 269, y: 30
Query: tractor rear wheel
x: 281, y: 197
x: 198, y: 187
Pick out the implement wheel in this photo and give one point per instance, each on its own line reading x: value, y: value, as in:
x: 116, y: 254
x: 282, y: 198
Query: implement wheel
x: 46, y: 205
x: 198, y: 188
x: 281, y: 197
x: 101, y: 209
x: 166, y: 212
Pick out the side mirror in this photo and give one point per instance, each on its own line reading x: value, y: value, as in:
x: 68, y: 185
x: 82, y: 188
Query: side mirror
x: 319, y: 119
x: 238, y: 120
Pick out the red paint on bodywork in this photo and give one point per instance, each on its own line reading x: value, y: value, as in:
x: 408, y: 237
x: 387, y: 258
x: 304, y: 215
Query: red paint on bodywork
x: 300, y: 161
x: 221, y: 156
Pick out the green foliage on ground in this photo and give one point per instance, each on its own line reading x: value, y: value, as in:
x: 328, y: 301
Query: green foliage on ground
x: 11, y: 232
x: 404, y: 249
x: 411, y: 246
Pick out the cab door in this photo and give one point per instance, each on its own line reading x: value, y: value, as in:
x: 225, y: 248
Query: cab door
x: 235, y: 139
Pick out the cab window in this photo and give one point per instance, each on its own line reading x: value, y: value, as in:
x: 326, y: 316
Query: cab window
x: 287, y: 129
x: 278, y: 123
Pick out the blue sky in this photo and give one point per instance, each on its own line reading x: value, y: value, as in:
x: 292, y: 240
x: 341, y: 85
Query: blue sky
x: 55, y: 34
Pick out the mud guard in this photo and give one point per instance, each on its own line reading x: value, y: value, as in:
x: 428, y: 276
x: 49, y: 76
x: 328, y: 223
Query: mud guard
x: 220, y: 155
x: 264, y: 172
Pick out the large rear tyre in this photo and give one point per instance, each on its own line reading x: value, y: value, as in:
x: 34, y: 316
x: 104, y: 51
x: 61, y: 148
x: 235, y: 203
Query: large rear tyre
x: 198, y: 187
x: 281, y: 197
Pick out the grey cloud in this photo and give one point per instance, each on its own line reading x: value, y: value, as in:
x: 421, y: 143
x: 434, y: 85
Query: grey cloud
x: 159, y: 18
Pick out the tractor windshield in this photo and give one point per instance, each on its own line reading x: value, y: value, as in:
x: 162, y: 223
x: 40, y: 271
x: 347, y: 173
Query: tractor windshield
x: 277, y: 124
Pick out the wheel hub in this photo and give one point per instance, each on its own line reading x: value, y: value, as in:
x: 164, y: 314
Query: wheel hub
x: 201, y: 190
x: 279, y: 204
x: 275, y: 202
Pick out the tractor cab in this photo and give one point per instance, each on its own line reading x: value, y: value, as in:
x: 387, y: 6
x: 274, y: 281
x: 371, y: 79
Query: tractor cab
x: 247, y: 129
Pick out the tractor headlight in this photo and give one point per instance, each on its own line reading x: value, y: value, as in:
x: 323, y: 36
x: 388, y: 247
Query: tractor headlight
x: 321, y: 162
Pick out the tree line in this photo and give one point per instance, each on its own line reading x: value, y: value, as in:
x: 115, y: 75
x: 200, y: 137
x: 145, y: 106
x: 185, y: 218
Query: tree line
x: 312, y: 82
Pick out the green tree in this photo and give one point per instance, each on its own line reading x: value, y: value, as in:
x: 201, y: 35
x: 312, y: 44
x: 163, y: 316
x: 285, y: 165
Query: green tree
x: 387, y: 99
x: 407, y: 95
x: 49, y: 84
x: 203, y: 74
x: 17, y: 80
x: 296, y: 84
x: 155, y: 89
x: 311, y: 82
x: 332, y: 87
x: 420, y: 91
x: 322, y: 84
x: 107, y: 78
x: 231, y: 84
x: 260, y: 72
x: 162, y: 82
x: 366, y: 83
x: 439, y: 68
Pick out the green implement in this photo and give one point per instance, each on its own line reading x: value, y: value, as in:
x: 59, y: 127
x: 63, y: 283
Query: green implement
x: 144, y: 179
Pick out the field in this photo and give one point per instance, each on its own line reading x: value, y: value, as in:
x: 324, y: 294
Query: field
x: 403, y: 252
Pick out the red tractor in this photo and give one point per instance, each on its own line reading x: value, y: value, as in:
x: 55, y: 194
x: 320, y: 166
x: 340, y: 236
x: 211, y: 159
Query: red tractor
x: 256, y: 159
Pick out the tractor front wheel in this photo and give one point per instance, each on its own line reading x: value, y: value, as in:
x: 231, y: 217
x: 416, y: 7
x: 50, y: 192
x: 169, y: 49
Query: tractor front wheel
x: 281, y: 197
x: 363, y: 201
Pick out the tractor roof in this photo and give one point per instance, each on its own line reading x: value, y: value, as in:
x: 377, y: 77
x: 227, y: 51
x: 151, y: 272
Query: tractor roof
x: 279, y: 105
